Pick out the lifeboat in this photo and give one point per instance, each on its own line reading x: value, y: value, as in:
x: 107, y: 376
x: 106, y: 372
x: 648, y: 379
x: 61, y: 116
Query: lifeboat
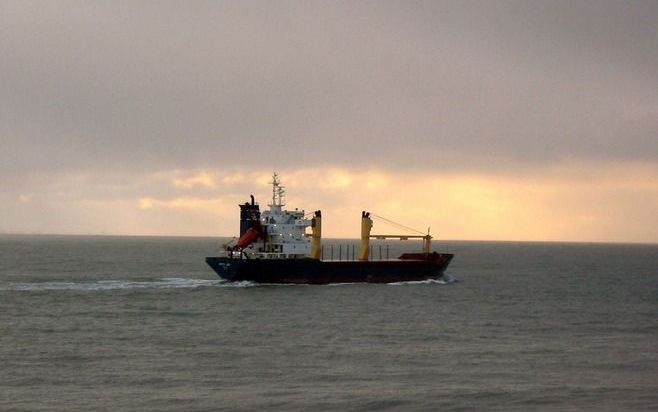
x: 249, y: 237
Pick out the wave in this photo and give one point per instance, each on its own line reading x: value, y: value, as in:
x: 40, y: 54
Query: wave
x: 445, y: 280
x: 175, y: 283
x: 164, y: 283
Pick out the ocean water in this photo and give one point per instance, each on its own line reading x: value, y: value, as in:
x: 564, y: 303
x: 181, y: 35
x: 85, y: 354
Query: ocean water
x: 140, y: 323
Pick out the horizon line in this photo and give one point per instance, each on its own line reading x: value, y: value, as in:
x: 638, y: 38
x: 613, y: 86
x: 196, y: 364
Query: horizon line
x: 608, y: 242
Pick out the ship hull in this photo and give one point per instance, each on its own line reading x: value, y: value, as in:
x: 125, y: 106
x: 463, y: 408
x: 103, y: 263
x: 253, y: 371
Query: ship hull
x: 410, y: 267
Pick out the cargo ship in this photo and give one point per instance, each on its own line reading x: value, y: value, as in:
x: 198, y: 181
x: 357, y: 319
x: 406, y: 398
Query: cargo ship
x: 274, y: 247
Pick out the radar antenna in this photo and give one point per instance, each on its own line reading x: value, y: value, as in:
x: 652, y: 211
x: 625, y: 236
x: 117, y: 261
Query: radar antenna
x: 278, y: 191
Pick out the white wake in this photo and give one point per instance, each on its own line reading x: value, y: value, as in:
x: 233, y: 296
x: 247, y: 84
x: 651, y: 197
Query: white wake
x: 164, y: 283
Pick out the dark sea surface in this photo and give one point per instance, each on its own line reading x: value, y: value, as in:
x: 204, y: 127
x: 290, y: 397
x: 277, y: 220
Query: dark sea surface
x: 140, y: 323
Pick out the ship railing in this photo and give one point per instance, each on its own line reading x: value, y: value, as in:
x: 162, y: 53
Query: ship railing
x: 342, y: 252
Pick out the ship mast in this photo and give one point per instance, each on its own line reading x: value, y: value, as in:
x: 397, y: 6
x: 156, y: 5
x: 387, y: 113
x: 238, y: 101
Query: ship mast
x: 278, y: 193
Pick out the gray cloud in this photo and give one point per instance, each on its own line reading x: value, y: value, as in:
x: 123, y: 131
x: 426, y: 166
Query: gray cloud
x: 468, y: 84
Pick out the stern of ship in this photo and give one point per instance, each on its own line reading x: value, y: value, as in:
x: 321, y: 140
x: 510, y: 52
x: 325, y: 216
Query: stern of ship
x: 227, y: 268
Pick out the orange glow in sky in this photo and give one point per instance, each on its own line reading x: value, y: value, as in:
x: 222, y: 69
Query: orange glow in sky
x: 569, y: 203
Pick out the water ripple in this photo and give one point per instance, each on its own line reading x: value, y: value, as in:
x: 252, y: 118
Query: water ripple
x: 164, y: 283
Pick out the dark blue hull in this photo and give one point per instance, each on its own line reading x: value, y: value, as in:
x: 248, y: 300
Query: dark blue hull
x: 315, y: 271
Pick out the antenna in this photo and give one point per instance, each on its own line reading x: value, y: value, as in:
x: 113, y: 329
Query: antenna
x: 278, y: 191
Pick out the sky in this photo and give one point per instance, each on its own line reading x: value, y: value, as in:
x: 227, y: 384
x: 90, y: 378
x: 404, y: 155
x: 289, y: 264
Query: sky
x: 483, y: 120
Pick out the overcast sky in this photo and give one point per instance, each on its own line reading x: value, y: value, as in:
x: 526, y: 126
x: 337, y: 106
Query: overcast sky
x: 156, y: 117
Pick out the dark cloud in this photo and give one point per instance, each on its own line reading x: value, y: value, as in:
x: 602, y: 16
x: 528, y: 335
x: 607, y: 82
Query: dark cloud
x: 467, y: 84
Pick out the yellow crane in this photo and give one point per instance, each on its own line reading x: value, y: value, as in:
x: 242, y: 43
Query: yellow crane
x: 366, y: 226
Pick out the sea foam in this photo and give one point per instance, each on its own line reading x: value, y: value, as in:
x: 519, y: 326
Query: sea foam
x: 164, y: 283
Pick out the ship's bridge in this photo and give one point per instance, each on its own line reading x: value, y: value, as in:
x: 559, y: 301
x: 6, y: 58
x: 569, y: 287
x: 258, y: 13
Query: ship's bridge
x: 285, y: 230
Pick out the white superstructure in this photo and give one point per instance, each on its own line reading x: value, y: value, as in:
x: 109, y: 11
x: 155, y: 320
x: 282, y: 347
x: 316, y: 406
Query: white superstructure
x: 284, y: 230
